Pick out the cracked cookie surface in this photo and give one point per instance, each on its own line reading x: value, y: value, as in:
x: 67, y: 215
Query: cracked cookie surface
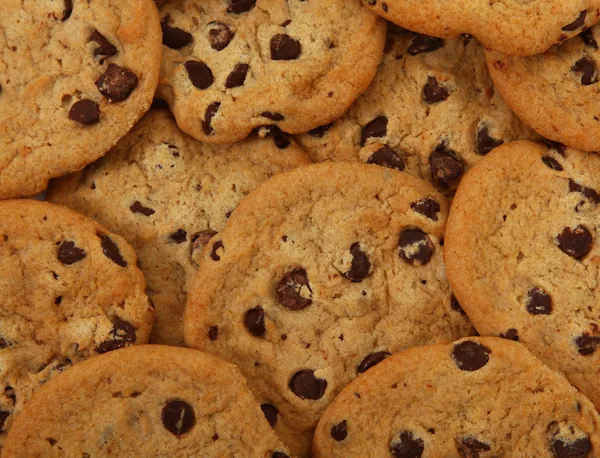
x: 522, y: 254
x: 74, y: 78
x: 148, y: 400
x: 557, y: 93
x: 230, y: 66
x: 515, y: 27
x: 478, y: 397
x: 70, y: 290
x: 168, y: 195
x: 431, y: 111
x: 319, y: 274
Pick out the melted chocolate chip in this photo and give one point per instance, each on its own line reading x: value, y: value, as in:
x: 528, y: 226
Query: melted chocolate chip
x: 577, y: 23
x: 587, y: 68
x: 69, y: 254
x: 270, y: 413
x: 240, y: 6
x: 111, y: 250
x: 178, y: 417
x: 372, y: 360
x: 485, y: 142
x: 3, y: 343
x: 280, y: 455
x: 4, y: 414
x: 588, y: 38
x: 424, y: 43
x: 137, y: 207
x: 320, y: 131
x: 386, y: 157
x: 200, y: 75
x: 105, y: 48
x: 272, y: 115
x: 306, y: 385
x: 445, y: 165
x: 214, y: 255
x: 122, y: 335
x: 254, y: 320
x: 579, y: 448
x: 407, y: 445
x: 416, y: 247
x: 219, y: 36
x: 470, y: 356
x: 281, y: 139
x: 340, y: 431
x: 427, y: 207
x: 511, y: 334
x: 587, y: 344
x: 576, y: 243
x: 284, y: 47
x: 434, y: 92
x: 179, y: 236
x: 539, y: 303
x: 213, y: 333
x: 211, y: 111
x: 68, y: 9
x: 470, y: 447
x: 590, y: 193
x: 359, y: 269
x: 117, y: 83
x: 85, y: 112
x: 374, y: 129
x: 292, y: 289
x: 174, y: 37
x: 552, y: 163
x: 456, y: 305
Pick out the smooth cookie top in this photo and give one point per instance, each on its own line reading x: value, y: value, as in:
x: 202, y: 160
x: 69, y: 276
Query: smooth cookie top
x: 431, y: 111
x: 148, y: 400
x: 70, y: 290
x: 556, y: 92
x: 230, y: 66
x: 319, y: 274
x: 168, y: 195
x: 515, y: 27
x: 476, y: 398
x: 522, y: 254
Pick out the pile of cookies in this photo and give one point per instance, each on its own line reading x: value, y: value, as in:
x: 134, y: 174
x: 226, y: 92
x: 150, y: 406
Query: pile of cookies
x: 291, y: 228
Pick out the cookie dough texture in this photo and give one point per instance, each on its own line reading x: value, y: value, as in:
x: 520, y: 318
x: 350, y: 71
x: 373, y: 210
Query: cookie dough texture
x: 514, y: 27
x: 522, y: 254
x: 556, y: 92
x: 168, y: 194
x: 231, y: 66
x: 149, y: 400
x: 74, y: 76
x: 478, y: 397
x: 431, y: 111
x: 319, y: 274
x: 70, y: 290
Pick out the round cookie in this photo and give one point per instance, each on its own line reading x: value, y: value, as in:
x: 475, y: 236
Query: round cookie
x: 319, y: 274
x: 70, y: 290
x: 478, y: 397
x: 230, y: 66
x: 515, y: 27
x: 149, y: 400
x: 74, y: 78
x: 431, y: 111
x: 522, y: 255
x: 167, y: 194
x: 556, y: 92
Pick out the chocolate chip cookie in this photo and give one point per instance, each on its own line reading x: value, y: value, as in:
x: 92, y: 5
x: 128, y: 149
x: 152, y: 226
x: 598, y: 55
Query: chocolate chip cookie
x: 231, y: 66
x: 478, y: 397
x: 514, y: 27
x: 522, y: 255
x: 74, y: 78
x: 431, y: 111
x: 150, y: 400
x: 70, y: 290
x: 319, y: 274
x: 556, y: 92
x: 168, y: 195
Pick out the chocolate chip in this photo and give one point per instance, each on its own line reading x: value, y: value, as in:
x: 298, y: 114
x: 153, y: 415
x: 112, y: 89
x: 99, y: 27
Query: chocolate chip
x: 434, y: 92
x: 416, y: 247
x: 117, y: 83
x: 470, y: 447
x: 374, y: 129
x: 122, y: 335
x: 588, y: 38
x: 292, y: 289
x: 273, y: 116
x: 539, y: 303
x: 306, y: 386
x: 213, y: 253
x: 360, y: 266
x: 200, y: 240
x: 68, y: 9
x: 579, y: 448
x: 577, y: 242
x: 105, y: 48
x: 85, y: 111
x: 280, y: 455
x: 511, y: 334
x: 386, y: 157
x: 339, y: 432
x: 319, y: 132
x: 219, y: 35
x: 372, y: 360
x: 179, y: 236
x: 445, y: 165
x: 210, y: 113
x: 213, y: 333
x: 174, y: 37
x: 424, y: 43
x: 587, y: 344
x: 254, y: 320
x: 284, y: 47
x: 270, y: 413
x: 587, y: 68
x: 3, y: 343
x: 137, y: 207
x: 556, y: 146
x: 577, y: 23
x: 199, y: 74
x: 281, y: 139
x: 470, y: 356
x: 427, y: 207
x: 552, y: 163
x: 590, y: 193
x: 69, y: 254
x: 111, y: 250
x: 240, y: 6
x: 4, y: 414
x: 485, y: 142
x: 178, y: 417
x: 456, y: 305
x: 406, y: 445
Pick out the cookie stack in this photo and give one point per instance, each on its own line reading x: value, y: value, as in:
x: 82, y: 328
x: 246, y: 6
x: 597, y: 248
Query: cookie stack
x: 375, y: 239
